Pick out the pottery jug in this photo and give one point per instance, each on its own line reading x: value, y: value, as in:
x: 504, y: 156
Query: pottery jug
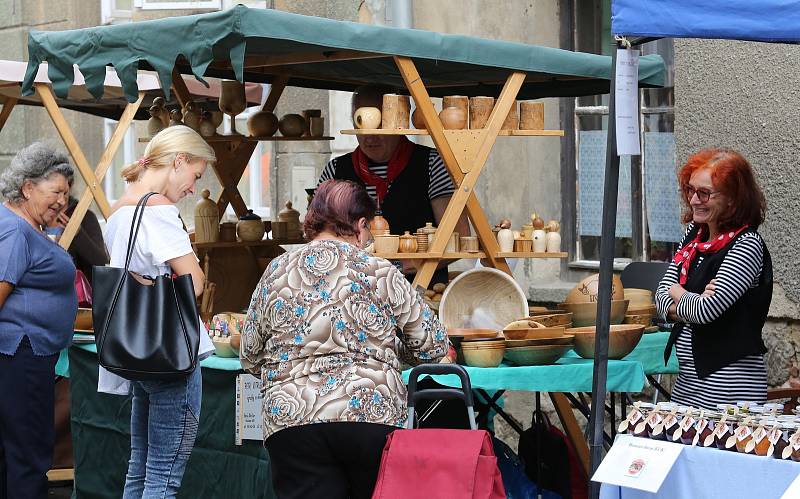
x: 292, y: 125
x: 408, y: 243
x: 191, y: 116
x: 262, y: 124
x: 206, y: 219
x: 155, y: 124
x: 505, y: 238
x: 368, y: 118
x: 160, y: 103
x: 175, y: 117
x: 539, y: 242
x: 453, y: 118
x: 207, y: 128
x: 250, y: 227
x: 292, y: 219
x: 553, y: 242
x: 379, y: 226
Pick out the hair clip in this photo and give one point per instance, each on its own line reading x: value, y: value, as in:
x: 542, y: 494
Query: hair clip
x: 144, y: 161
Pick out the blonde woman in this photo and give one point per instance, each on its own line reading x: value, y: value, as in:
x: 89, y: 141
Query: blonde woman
x: 164, y: 414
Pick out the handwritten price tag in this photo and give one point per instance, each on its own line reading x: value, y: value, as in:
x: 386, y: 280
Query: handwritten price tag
x: 248, y: 408
x: 638, y: 463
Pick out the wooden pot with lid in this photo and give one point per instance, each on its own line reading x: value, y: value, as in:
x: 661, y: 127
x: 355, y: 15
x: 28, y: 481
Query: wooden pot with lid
x: 292, y: 218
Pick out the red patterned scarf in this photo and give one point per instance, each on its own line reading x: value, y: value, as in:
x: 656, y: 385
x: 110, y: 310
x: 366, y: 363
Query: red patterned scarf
x: 397, y: 163
x: 688, y: 253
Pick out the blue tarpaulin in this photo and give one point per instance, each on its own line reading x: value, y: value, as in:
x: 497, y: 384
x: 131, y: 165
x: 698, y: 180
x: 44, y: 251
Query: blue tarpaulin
x: 757, y: 20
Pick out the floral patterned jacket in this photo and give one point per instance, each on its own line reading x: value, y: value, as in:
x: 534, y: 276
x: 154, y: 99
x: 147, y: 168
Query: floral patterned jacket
x: 327, y: 328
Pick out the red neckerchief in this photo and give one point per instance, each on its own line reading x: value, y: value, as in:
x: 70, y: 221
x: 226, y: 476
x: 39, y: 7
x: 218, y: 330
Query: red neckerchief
x: 397, y: 163
x: 688, y: 253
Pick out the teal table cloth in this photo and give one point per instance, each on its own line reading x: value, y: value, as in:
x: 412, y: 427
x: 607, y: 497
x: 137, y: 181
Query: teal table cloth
x: 650, y: 352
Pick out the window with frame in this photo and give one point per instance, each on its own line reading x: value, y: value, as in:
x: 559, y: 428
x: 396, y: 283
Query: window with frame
x: 116, y: 11
x: 648, y: 206
x: 113, y: 185
x: 196, y: 4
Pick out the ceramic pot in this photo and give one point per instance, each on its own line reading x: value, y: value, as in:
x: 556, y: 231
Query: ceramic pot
x: 316, y: 126
x: 292, y: 219
x: 408, y: 243
x: 553, y: 242
x: 232, y: 101
x: 250, y: 227
x: 160, y: 103
x: 379, y: 226
x: 262, y: 124
x: 206, y: 219
x: 207, y: 128
x: 367, y: 118
x: 292, y: 125
x: 453, y: 118
x: 191, y: 116
x: 155, y: 124
x: 175, y: 117
x: 480, y: 108
x: 539, y: 242
x: 505, y: 238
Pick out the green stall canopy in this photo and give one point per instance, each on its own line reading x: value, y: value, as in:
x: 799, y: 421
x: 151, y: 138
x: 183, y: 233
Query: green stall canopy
x: 258, y: 45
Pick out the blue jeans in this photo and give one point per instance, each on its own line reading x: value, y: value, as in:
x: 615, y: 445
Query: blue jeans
x: 164, y: 419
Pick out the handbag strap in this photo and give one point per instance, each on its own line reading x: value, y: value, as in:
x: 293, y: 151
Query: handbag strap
x: 136, y: 222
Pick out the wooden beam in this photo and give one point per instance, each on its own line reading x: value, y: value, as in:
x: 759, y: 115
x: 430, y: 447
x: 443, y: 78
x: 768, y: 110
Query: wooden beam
x: 49, y: 101
x: 572, y: 429
x: 180, y: 89
x: 275, y: 91
x: 100, y: 171
x: 8, y: 106
x: 232, y: 159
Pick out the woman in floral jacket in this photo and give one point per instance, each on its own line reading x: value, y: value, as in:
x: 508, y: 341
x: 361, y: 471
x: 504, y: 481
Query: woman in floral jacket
x: 327, y: 329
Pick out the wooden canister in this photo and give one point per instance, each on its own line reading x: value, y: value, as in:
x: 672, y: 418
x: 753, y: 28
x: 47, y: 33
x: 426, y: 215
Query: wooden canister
x: 459, y: 101
x: 531, y: 115
x: 395, y: 111
x: 480, y: 108
x: 469, y: 244
x: 512, y: 118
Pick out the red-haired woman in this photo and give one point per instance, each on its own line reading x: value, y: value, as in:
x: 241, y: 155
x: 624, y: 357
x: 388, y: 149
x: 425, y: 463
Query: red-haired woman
x: 718, y: 288
x: 326, y: 330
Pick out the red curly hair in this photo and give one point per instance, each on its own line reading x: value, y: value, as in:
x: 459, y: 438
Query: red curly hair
x: 733, y: 176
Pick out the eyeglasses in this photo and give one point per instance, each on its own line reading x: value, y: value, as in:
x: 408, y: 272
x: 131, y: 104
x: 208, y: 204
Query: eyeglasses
x: 702, y: 194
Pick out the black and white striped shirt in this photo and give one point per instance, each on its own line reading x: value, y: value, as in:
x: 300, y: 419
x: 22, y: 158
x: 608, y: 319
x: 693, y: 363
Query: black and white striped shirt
x: 440, y: 184
x: 745, y: 379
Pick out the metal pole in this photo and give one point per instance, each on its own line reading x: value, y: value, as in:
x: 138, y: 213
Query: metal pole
x: 603, y: 321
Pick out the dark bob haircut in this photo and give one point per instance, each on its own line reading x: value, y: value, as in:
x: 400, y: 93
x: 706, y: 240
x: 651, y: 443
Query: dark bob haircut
x: 337, y: 206
x: 733, y: 176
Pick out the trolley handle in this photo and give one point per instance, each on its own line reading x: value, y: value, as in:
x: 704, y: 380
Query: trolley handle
x: 464, y: 393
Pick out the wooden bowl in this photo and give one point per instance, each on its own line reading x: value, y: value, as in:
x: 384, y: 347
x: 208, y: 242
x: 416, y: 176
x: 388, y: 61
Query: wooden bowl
x: 468, y: 333
x: 223, y: 347
x: 642, y: 310
x: 482, y: 297
x: 584, y: 314
x: 639, y: 297
x: 566, y: 339
x: 643, y: 319
x: 483, y: 357
x: 539, y: 332
x: 83, y: 320
x: 622, y: 339
x: 536, y: 355
x: 586, y: 290
x: 387, y: 243
x: 553, y: 318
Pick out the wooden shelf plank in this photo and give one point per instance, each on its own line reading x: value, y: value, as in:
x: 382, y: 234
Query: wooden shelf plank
x: 431, y: 256
x: 414, y: 131
x: 526, y: 254
x: 244, y: 138
x: 243, y: 244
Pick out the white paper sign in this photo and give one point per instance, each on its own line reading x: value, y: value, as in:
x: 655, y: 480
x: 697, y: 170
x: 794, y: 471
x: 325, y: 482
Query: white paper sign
x: 626, y: 101
x: 638, y: 463
x: 793, y: 491
x: 248, y: 408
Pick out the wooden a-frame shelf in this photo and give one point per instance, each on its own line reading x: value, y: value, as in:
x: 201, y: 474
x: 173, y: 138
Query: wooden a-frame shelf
x: 246, y: 138
x: 415, y: 131
x: 466, y: 255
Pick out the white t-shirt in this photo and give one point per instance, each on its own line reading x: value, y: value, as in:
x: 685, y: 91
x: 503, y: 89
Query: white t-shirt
x: 161, y: 238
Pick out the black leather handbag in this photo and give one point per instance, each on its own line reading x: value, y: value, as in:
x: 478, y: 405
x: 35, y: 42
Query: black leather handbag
x: 145, y: 332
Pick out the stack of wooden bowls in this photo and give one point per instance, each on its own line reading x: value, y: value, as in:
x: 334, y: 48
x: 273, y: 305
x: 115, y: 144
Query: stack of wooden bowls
x: 531, y: 343
x: 622, y: 339
x: 582, y: 301
x: 641, y: 309
x: 478, y: 347
x: 83, y: 321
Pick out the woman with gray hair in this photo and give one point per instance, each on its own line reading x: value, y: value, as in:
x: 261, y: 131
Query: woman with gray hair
x: 37, y: 313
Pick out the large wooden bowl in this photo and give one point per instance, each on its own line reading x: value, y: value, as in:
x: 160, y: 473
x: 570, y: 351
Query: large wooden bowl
x: 489, y: 356
x: 536, y: 355
x: 530, y: 333
x: 566, y: 339
x: 482, y: 297
x: 83, y: 320
x: 585, y: 314
x: 639, y: 297
x: 552, y: 318
x: 223, y: 348
x: 586, y: 290
x: 622, y: 339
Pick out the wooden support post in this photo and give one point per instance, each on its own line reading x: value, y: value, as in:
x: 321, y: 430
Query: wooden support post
x: 8, y: 106
x: 49, y: 101
x: 102, y: 167
x: 180, y: 89
x: 477, y: 145
x: 571, y: 428
x: 275, y: 91
x: 232, y: 158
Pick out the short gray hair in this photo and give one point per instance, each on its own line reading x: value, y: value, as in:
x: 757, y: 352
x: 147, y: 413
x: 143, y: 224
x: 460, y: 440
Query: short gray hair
x: 35, y: 163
